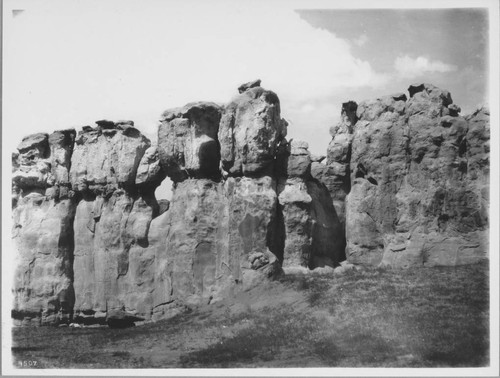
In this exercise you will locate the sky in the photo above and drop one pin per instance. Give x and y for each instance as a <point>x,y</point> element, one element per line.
<point>68,63</point>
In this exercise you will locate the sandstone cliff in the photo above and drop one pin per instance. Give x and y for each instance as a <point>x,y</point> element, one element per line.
<point>414,175</point>
<point>92,238</point>
<point>405,183</point>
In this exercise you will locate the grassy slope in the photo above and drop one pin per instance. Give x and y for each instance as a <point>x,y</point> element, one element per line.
<point>374,317</point>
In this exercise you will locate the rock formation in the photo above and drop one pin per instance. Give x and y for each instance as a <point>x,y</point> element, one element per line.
<point>314,234</point>
<point>405,183</point>
<point>414,175</point>
<point>187,141</point>
<point>243,205</point>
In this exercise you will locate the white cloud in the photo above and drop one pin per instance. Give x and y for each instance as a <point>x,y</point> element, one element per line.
<point>361,40</point>
<point>408,67</point>
<point>69,63</point>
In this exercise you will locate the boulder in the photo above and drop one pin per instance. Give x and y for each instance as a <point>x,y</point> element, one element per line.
<point>187,141</point>
<point>317,158</point>
<point>149,172</point>
<point>121,319</point>
<point>428,101</point>
<point>33,168</point>
<point>116,153</point>
<point>250,131</point>
<point>251,84</point>
<point>163,205</point>
<point>299,160</point>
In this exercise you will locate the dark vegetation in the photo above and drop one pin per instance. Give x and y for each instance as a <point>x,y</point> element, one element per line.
<point>420,317</point>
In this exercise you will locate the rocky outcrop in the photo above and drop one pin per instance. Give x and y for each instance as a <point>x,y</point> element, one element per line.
<point>113,267</point>
<point>296,204</point>
<point>222,228</point>
<point>418,179</point>
<point>335,173</point>
<point>313,232</point>
<point>43,162</point>
<point>115,151</point>
<point>44,209</point>
<point>43,283</point>
<point>187,141</point>
<point>243,204</point>
<point>405,182</point>
<point>78,214</point>
<point>116,206</point>
<point>149,172</point>
<point>250,131</point>
<point>377,167</point>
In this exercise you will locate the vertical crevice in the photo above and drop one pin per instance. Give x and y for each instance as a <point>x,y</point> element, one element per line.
<point>66,248</point>
<point>328,233</point>
<point>276,233</point>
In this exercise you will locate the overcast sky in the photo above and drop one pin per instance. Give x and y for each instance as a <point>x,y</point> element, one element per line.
<point>69,63</point>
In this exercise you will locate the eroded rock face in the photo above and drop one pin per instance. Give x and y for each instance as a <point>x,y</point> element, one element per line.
<point>114,269</point>
<point>76,207</point>
<point>296,204</point>
<point>250,132</point>
<point>405,182</point>
<point>314,234</point>
<point>43,162</point>
<point>149,172</point>
<point>33,163</point>
<point>414,199</point>
<point>44,209</point>
<point>335,173</point>
<point>218,240</point>
<point>378,166</point>
<point>187,263</point>
<point>43,235</point>
<point>187,141</point>
<point>61,148</point>
<point>252,227</point>
<point>106,158</point>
